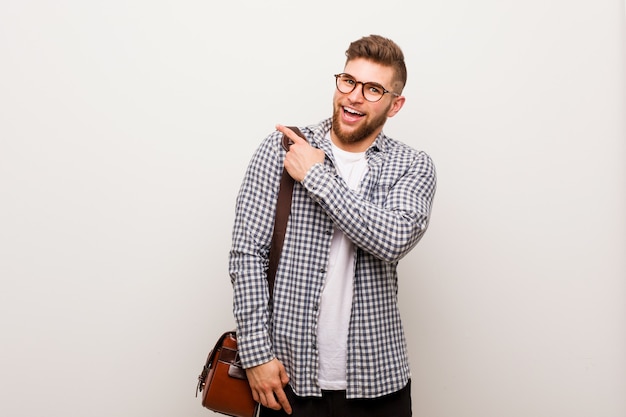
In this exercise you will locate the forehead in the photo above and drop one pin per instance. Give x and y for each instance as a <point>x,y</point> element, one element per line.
<point>368,71</point>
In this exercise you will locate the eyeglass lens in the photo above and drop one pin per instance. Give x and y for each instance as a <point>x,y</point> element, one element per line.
<point>371,91</point>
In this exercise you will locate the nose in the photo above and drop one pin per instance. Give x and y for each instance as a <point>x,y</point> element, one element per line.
<point>356,95</point>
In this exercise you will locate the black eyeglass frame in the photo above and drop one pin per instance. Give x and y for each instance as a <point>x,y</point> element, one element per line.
<point>384,90</point>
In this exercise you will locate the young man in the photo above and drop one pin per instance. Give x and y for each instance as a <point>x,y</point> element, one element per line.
<point>331,342</point>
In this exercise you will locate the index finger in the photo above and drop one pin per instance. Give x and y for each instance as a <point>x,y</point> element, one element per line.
<point>282,400</point>
<point>293,136</point>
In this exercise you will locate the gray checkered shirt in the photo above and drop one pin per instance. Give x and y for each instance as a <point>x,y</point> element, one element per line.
<point>385,220</point>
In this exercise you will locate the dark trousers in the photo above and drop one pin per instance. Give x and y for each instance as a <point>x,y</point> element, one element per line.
<point>335,404</point>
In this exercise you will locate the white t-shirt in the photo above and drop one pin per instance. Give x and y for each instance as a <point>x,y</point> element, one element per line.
<point>336,301</point>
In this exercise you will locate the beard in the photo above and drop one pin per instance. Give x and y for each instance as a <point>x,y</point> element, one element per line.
<point>362,132</point>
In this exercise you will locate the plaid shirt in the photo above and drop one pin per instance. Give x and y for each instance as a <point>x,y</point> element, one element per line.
<point>385,220</point>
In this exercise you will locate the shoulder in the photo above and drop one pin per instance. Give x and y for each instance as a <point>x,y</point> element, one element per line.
<point>403,153</point>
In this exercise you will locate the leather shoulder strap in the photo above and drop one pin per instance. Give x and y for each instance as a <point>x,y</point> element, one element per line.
<point>283,208</point>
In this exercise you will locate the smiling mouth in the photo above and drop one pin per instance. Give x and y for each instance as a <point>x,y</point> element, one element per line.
<point>352,114</point>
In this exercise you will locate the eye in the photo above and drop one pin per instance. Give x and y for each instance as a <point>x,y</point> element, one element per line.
<point>349,81</point>
<point>375,89</point>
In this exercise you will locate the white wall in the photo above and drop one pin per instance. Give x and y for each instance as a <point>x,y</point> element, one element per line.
<point>125,127</point>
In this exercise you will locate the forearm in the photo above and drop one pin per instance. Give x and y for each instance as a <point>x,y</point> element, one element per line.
<point>389,219</point>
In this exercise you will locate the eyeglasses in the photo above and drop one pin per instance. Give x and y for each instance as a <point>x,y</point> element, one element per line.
<point>373,92</point>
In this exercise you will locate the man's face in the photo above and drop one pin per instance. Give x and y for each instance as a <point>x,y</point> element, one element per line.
<point>356,121</point>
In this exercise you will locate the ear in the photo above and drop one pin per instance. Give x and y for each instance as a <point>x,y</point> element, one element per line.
<point>398,102</point>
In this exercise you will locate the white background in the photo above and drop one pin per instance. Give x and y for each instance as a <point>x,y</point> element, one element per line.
<point>125,128</point>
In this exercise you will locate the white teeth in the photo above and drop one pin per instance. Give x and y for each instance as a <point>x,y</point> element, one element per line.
<point>352,111</point>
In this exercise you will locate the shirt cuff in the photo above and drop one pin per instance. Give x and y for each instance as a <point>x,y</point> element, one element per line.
<point>254,349</point>
<point>316,181</point>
